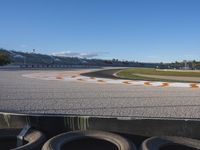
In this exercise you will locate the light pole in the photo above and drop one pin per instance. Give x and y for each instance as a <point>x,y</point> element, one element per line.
<point>24,60</point>
<point>185,62</point>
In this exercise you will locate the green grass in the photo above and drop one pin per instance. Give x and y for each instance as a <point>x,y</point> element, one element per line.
<point>131,74</point>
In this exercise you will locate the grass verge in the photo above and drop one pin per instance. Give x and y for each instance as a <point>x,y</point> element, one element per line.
<point>133,74</point>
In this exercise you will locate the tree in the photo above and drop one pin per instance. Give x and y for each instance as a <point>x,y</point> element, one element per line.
<point>4,58</point>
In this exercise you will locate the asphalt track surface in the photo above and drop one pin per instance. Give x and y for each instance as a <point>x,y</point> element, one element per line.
<point>33,96</point>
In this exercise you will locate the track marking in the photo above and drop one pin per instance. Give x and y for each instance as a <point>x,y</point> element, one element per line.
<point>194,85</point>
<point>101,81</point>
<point>75,76</point>
<point>80,79</point>
<point>147,83</point>
<point>165,84</point>
<point>59,77</point>
<point>126,82</point>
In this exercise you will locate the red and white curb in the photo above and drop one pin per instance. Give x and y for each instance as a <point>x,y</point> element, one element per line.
<point>78,78</point>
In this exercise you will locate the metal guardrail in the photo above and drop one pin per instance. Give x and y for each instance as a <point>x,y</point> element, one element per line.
<point>56,66</point>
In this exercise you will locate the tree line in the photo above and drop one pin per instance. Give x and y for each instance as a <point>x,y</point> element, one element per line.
<point>4,58</point>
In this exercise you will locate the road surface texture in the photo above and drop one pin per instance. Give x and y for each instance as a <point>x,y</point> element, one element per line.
<point>19,94</point>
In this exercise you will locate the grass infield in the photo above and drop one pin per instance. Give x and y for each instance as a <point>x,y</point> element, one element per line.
<point>152,74</point>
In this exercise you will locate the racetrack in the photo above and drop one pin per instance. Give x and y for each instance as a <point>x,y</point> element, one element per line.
<point>30,95</point>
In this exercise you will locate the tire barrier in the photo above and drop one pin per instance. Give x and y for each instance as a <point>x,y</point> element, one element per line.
<point>137,130</point>
<point>170,143</point>
<point>90,140</point>
<point>32,139</point>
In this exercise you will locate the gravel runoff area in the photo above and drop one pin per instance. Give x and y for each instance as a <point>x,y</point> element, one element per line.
<point>25,95</point>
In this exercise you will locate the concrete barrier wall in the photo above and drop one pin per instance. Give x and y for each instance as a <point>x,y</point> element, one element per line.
<point>142,127</point>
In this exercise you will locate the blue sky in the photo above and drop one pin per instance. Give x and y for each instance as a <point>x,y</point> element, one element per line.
<point>141,30</point>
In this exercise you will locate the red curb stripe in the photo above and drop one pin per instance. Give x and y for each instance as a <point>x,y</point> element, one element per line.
<point>165,84</point>
<point>147,83</point>
<point>101,81</point>
<point>194,86</point>
<point>80,79</point>
<point>126,82</point>
<point>59,77</point>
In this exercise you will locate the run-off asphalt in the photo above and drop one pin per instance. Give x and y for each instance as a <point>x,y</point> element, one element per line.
<point>25,95</point>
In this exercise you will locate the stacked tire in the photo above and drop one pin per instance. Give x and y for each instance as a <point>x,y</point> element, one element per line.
<point>90,140</point>
<point>170,143</point>
<point>33,139</point>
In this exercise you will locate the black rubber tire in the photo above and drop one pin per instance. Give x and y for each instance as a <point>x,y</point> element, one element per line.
<point>156,143</point>
<point>34,138</point>
<point>58,141</point>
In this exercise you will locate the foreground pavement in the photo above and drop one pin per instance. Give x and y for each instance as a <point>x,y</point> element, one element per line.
<point>19,94</point>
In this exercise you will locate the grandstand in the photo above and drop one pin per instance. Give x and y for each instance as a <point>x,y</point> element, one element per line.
<point>35,60</point>
<point>40,60</point>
